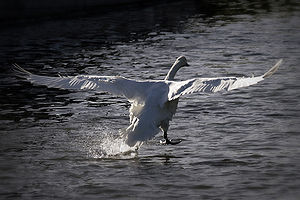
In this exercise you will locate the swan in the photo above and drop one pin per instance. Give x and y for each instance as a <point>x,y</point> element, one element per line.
<point>153,102</point>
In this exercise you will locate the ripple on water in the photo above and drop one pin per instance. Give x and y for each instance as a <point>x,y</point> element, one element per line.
<point>238,145</point>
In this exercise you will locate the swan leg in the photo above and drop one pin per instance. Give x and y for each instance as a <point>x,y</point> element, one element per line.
<point>165,126</point>
<point>170,141</point>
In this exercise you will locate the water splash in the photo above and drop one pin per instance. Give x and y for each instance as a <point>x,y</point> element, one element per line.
<point>111,146</point>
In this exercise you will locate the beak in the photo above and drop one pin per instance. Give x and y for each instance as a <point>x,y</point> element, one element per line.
<point>187,64</point>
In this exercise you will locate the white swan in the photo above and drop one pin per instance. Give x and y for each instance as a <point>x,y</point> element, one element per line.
<point>153,102</point>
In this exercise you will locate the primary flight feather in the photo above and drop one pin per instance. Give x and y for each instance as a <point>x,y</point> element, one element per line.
<point>153,102</point>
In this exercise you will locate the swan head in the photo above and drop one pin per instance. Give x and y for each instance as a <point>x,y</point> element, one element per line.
<point>181,60</point>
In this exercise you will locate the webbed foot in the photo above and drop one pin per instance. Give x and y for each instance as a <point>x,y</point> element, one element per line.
<point>172,141</point>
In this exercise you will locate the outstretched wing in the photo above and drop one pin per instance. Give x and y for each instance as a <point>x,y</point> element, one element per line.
<point>211,85</point>
<point>116,85</point>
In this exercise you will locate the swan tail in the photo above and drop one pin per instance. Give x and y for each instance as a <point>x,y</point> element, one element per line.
<point>272,70</point>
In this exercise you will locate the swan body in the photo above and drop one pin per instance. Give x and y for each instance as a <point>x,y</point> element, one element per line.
<point>153,102</point>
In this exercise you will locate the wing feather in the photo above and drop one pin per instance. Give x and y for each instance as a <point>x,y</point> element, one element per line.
<point>116,85</point>
<point>211,85</point>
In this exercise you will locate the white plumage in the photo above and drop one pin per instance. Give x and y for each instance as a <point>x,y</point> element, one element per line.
<point>153,102</point>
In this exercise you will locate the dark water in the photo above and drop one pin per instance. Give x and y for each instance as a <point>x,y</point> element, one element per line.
<point>243,144</point>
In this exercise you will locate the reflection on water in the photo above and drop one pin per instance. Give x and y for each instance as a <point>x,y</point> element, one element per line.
<point>238,145</point>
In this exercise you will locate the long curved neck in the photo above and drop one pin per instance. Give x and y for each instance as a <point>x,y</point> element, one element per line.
<point>172,72</point>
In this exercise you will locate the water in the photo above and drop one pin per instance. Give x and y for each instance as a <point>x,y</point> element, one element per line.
<point>242,144</point>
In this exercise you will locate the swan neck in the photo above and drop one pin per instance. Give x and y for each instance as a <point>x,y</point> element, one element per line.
<point>172,72</point>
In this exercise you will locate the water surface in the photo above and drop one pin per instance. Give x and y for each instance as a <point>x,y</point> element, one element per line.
<point>242,144</point>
